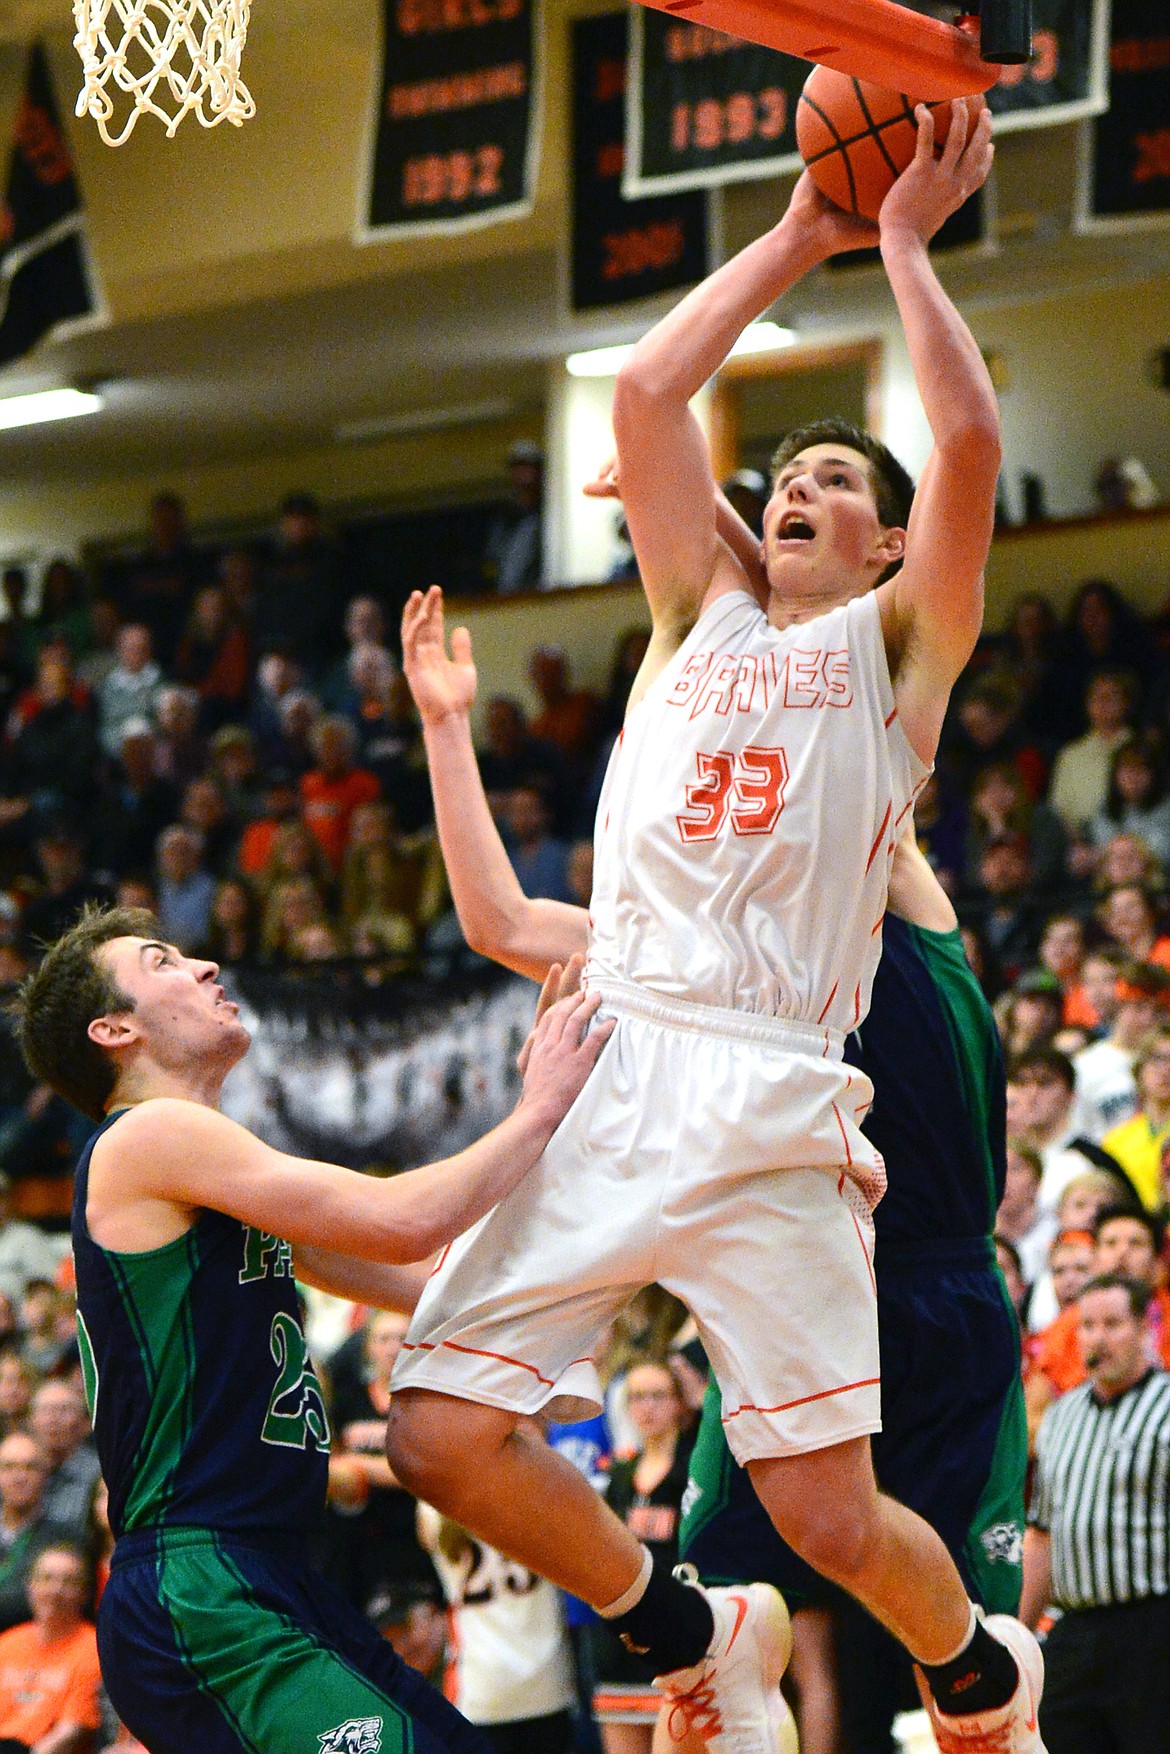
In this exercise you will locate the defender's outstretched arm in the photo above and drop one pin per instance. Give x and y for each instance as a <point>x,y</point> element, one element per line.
<point>498,919</point>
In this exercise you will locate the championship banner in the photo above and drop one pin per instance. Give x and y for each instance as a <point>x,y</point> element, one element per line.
<point>705,109</point>
<point>454,134</point>
<point>45,284</point>
<point>1125,175</point>
<point>622,249</point>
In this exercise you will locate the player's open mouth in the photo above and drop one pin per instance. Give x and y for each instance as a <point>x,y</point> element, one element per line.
<point>795,528</point>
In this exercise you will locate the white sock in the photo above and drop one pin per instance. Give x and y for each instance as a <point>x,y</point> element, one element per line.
<point>972,1622</point>
<point>631,1597</point>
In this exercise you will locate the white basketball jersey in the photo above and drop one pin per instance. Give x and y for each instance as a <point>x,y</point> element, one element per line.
<point>748,817</point>
<point>512,1658</point>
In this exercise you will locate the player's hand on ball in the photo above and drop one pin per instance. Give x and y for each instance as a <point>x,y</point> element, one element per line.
<point>828,226</point>
<point>442,684</point>
<point>561,1054</point>
<point>932,187</point>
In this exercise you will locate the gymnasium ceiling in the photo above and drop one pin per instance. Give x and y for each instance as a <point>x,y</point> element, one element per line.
<point>243,317</point>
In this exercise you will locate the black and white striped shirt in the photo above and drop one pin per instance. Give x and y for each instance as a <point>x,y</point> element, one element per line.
<point>1102,1492</point>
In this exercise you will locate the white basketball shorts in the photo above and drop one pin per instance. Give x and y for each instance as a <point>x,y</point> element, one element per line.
<point>718,1154</point>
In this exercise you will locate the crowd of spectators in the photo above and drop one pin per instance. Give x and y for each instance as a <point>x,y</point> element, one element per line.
<point>228,739</point>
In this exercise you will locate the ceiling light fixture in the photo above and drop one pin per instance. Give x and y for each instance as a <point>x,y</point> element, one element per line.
<point>422,420</point>
<point>606,362</point>
<point>45,405</point>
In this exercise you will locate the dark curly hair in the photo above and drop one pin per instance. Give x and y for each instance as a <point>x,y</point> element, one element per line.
<point>57,1003</point>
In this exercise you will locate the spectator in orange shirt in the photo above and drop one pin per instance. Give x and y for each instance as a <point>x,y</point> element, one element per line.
<point>49,1674</point>
<point>1126,1240</point>
<point>332,791</point>
<point>1062,953</point>
<point>569,718</point>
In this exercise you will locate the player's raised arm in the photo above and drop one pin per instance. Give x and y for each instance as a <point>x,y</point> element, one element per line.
<point>497,918</point>
<point>169,1156</point>
<point>933,608</point>
<point>667,485</point>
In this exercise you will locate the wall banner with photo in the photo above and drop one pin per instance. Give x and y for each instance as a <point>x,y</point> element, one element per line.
<point>378,1078</point>
<point>705,109</point>
<point>1125,156</point>
<point>453,141</point>
<point>622,249</point>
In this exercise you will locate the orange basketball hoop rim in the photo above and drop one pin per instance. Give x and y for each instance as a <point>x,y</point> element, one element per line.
<point>874,40</point>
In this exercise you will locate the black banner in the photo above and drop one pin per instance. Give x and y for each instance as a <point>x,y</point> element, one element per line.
<point>44,281</point>
<point>622,249</point>
<point>704,108</point>
<point>1128,169</point>
<point>454,136</point>
<point>969,228</point>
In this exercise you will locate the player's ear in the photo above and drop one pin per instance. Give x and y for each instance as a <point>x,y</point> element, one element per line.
<point>891,545</point>
<point>116,1030</point>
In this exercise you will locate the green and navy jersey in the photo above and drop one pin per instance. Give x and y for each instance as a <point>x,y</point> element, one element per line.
<point>932,1051</point>
<point>205,1405</point>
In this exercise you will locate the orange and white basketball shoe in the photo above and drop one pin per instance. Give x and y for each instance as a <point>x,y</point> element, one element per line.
<point>1009,1729</point>
<point>724,1700</point>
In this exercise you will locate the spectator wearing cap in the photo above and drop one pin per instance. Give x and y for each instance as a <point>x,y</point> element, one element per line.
<point>137,806</point>
<point>1137,1143</point>
<point>335,787</point>
<point>300,589</point>
<point>1042,1098</point>
<point>131,688</point>
<point>186,889</point>
<point>513,549</point>
<point>1081,772</point>
<point>1097,1545</point>
<point>60,1424</point>
<point>1107,1092</point>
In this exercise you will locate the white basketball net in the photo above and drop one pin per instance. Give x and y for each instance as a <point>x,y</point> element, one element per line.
<point>165,56</point>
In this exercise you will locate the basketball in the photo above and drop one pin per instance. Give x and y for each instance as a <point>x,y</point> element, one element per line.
<point>857,138</point>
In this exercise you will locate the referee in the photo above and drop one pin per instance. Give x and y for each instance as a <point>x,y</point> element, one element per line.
<point>1098,1541</point>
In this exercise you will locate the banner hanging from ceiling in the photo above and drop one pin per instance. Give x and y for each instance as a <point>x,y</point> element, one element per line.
<point>705,109</point>
<point>622,249</point>
<point>46,283</point>
<point>1125,158</point>
<point>454,130</point>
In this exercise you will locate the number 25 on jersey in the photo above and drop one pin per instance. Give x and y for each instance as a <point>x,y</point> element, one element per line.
<point>746,790</point>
